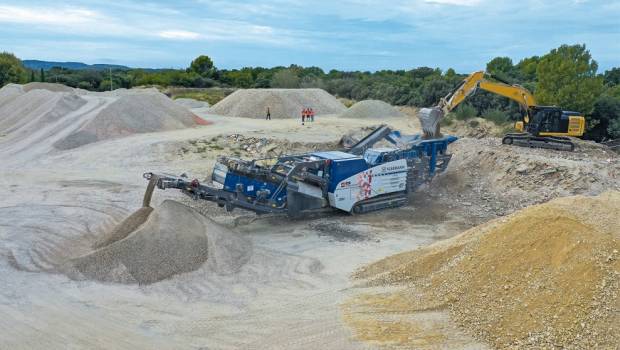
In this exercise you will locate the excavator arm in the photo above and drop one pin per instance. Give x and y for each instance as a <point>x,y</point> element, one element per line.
<point>430,117</point>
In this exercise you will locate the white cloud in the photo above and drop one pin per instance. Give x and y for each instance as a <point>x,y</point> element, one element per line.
<point>37,15</point>
<point>179,35</point>
<point>116,23</point>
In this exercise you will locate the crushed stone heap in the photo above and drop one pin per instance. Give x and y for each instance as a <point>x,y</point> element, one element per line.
<point>155,244</point>
<point>52,116</point>
<point>546,276</point>
<point>282,103</point>
<point>372,109</point>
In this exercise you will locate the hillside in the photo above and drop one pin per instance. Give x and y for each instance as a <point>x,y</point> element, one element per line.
<point>46,65</point>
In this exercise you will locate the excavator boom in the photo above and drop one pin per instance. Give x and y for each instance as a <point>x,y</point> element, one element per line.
<point>547,129</point>
<point>431,117</point>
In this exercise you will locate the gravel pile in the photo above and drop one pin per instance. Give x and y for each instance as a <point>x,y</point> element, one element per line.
<point>131,114</point>
<point>372,109</point>
<point>545,277</point>
<point>153,245</point>
<point>25,113</point>
<point>283,103</point>
<point>9,92</point>
<point>249,147</point>
<point>47,86</point>
<point>488,179</point>
<point>53,116</point>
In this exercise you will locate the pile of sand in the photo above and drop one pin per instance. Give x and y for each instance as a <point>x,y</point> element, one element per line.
<point>131,114</point>
<point>56,116</point>
<point>372,109</point>
<point>191,103</point>
<point>9,92</point>
<point>25,113</point>
<point>283,103</point>
<point>547,276</point>
<point>153,245</point>
<point>47,86</point>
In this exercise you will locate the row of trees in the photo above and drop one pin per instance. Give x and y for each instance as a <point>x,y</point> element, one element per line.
<point>566,76</point>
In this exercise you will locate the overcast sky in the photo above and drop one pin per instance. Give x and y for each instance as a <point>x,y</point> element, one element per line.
<point>345,34</point>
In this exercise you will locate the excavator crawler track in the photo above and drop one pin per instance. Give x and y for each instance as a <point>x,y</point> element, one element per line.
<point>527,140</point>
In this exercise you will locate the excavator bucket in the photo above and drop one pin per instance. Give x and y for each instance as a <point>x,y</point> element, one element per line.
<point>430,119</point>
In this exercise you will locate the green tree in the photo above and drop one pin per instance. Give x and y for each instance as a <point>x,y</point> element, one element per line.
<point>203,65</point>
<point>502,68</point>
<point>527,68</point>
<point>32,78</point>
<point>263,80</point>
<point>11,69</point>
<point>42,75</point>
<point>242,78</point>
<point>612,77</point>
<point>286,79</point>
<point>614,128</point>
<point>567,78</point>
<point>605,119</point>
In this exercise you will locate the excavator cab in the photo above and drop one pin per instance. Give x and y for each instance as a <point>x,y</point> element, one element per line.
<point>547,127</point>
<point>553,121</point>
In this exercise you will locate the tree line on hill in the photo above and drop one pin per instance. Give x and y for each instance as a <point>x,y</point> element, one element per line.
<point>567,76</point>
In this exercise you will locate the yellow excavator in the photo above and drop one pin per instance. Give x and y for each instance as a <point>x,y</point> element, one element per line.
<point>541,126</point>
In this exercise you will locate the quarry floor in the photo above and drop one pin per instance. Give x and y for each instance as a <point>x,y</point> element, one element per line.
<point>54,203</point>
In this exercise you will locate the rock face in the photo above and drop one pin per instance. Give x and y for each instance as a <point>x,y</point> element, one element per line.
<point>282,103</point>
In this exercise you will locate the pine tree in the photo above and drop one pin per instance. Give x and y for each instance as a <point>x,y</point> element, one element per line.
<point>32,78</point>
<point>42,75</point>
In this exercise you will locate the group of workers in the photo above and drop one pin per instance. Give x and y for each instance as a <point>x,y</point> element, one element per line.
<point>307,115</point>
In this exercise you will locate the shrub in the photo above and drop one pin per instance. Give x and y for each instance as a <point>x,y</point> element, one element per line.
<point>614,128</point>
<point>496,116</point>
<point>448,120</point>
<point>85,85</point>
<point>474,123</point>
<point>465,112</point>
